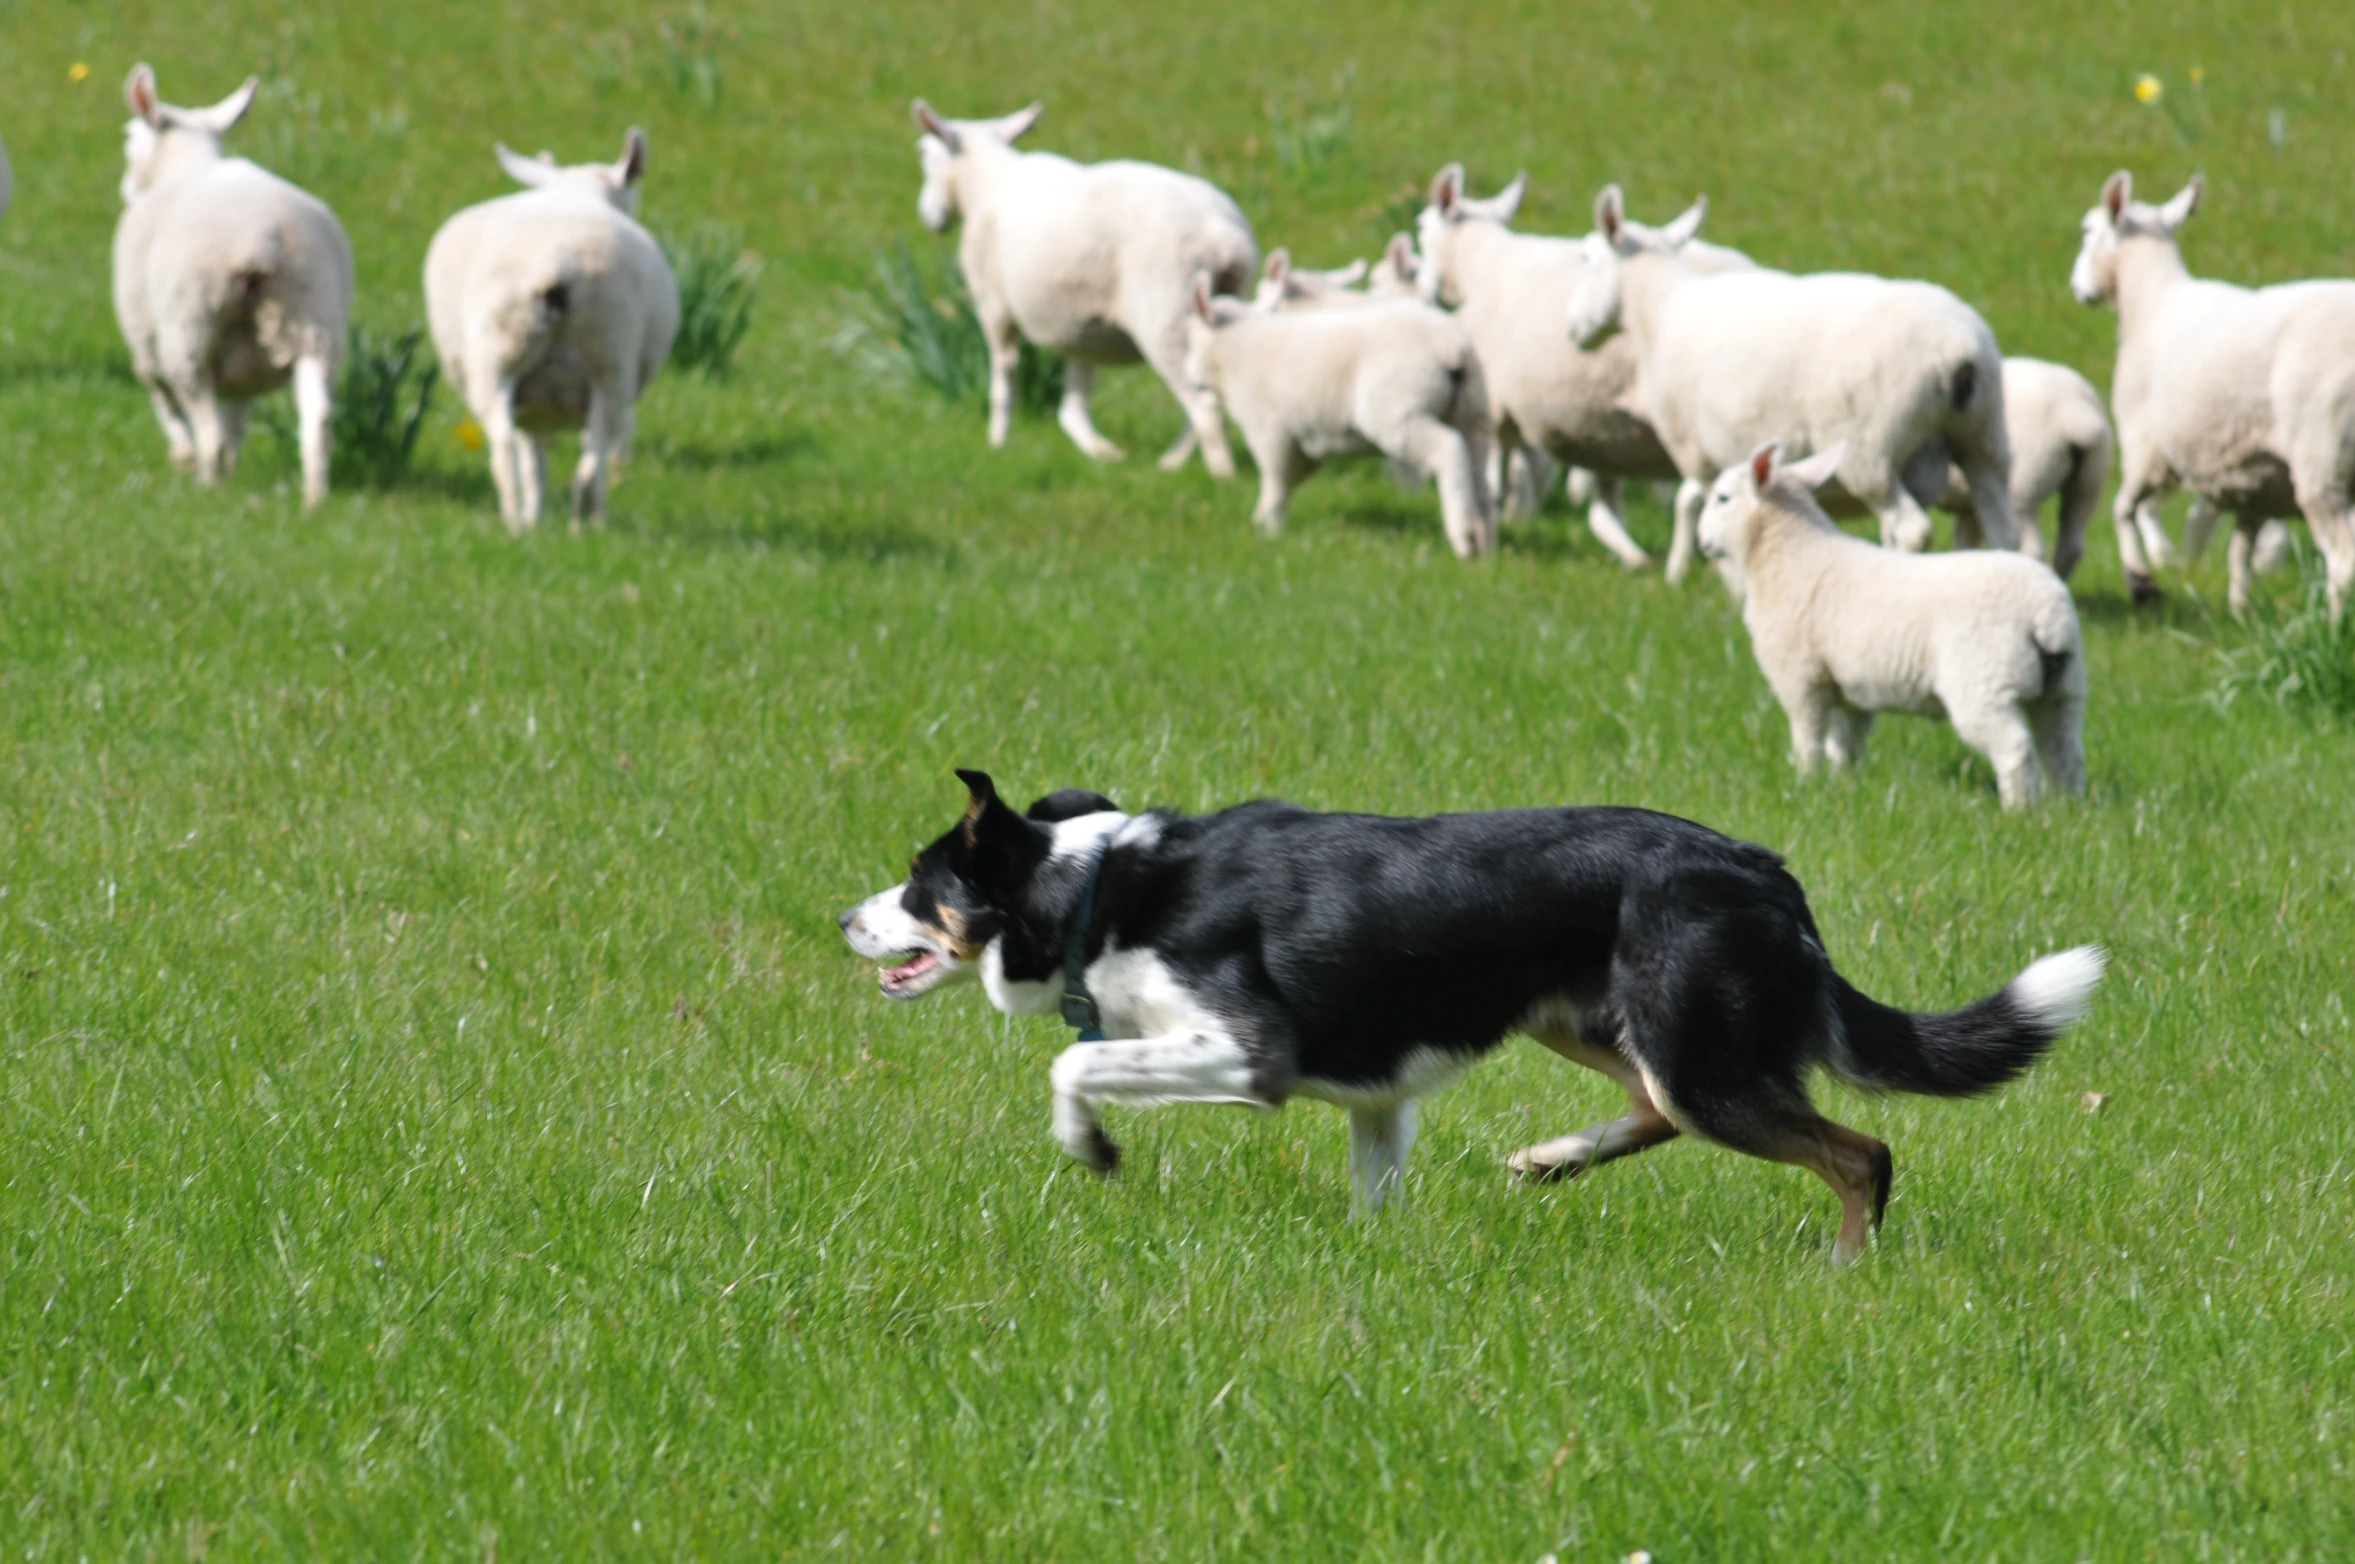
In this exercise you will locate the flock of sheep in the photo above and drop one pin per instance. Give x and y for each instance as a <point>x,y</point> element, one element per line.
<point>1483,358</point>
<point>551,308</point>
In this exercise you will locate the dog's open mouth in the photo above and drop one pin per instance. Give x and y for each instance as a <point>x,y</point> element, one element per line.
<point>912,976</point>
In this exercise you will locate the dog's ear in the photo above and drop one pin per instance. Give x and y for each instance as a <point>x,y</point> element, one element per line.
<point>1069,804</point>
<point>985,794</point>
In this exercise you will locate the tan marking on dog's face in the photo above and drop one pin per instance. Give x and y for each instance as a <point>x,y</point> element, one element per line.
<point>955,934</point>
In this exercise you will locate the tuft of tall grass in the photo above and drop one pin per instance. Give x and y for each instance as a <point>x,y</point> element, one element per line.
<point>1307,134</point>
<point>906,325</point>
<point>380,407</point>
<point>719,282</point>
<point>2292,654</point>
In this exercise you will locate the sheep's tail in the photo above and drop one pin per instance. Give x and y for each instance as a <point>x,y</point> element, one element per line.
<point>1959,395</point>
<point>1968,1051</point>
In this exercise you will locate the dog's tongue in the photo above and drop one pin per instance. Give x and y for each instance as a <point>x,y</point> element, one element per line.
<point>916,967</point>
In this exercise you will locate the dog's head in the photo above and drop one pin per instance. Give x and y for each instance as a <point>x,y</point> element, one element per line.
<point>932,928</point>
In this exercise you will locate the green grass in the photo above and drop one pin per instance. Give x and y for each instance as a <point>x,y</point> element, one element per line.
<point>443,1121</point>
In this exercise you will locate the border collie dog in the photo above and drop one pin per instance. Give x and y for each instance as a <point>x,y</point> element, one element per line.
<point>1268,951</point>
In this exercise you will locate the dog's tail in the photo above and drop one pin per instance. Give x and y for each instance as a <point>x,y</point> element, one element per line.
<point>1968,1051</point>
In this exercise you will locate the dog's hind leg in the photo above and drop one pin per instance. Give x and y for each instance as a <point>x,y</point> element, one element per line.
<point>1379,1139</point>
<point>1641,1127</point>
<point>1856,1166</point>
<point>1180,1067</point>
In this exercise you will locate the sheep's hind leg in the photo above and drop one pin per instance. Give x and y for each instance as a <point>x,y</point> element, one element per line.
<point>603,439</point>
<point>1079,383</point>
<point>1905,525</point>
<point>204,423</point>
<point>233,419</point>
<point>1603,520</point>
<point>531,470</point>
<point>1845,733</point>
<point>2000,732</point>
<point>1685,545</point>
<point>497,417</point>
<point>177,435</point>
<point>2237,551</point>
<point>1282,466</point>
<point>314,414</point>
<point>1206,419</point>
<point>1443,452</point>
<point>2058,722</point>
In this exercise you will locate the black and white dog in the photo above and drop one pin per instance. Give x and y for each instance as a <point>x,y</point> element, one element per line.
<point>1267,951</point>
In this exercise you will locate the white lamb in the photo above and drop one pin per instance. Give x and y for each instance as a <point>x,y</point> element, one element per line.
<point>1903,375</point>
<point>2059,435</point>
<point>1394,376</point>
<point>228,282</point>
<point>1573,405</point>
<point>1843,630</point>
<point>2244,396</point>
<point>552,309</point>
<point>1091,261</point>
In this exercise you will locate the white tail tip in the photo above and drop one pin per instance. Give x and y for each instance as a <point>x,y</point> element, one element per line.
<point>2057,991</point>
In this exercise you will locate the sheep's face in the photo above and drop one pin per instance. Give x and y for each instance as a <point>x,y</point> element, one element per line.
<point>936,205</point>
<point>1594,303</point>
<point>2094,279</point>
<point>1727,515</point>
<point>140,147</point>
<point>2116,218</point>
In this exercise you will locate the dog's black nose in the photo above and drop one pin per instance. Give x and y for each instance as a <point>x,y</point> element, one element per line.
<point>843,922</point>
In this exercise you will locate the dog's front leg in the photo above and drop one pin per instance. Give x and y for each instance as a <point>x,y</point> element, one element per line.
<point>1192,1066</point>
<point>1379,1139</point>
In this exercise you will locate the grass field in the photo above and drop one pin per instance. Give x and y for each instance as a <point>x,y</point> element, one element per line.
<point>442,1120</point>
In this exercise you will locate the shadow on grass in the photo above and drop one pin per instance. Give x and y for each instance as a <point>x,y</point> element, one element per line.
<point>832,535</point>
<point>776,450</point>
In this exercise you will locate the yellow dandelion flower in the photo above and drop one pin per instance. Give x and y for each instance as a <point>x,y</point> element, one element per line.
<point>2148,88</point>
<point>2198,76</point>
<point>470,435</point>
<point>78,72</point>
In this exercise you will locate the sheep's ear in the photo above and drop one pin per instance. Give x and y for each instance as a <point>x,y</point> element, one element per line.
<point>934,126</point>
<point>1016,125</point>
<point>1762,464</point>
<point>1688,223</point>
<point>1610,213</point>
<point>1505,205</point>
<point>2117,190</point>
<point>632,166</point>
<point>1278,265</point>
<point>1403,259</point>
<point>521,169</point>
<point>1448,189</point>
<point>1816,470</point>
<point>1201,294</point>
<point>139,91</point>
<point>2187,201</point>
<point>226,113</point>
<point>1349,276</point>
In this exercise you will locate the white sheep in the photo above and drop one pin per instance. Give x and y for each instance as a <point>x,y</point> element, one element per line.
<point>2059,435</point>
<point>552,309</point>
<point>1903,375</point>
<point>1305,385</point>
<point>2244,396</point>
<point>1283,285</point>
<point>1843,630</point>
<point>228,282</point>
<point>1572,405</point>
<point>1090,261</point>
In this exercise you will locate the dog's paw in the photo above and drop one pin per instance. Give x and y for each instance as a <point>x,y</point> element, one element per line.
<point>1100,1151</point>
<point>1549,1163</point>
